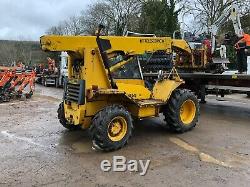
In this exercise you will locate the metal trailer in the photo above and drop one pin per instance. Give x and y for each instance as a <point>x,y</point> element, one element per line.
<point>56,79</point>
<point>208,83</point>
<point>49,80</point>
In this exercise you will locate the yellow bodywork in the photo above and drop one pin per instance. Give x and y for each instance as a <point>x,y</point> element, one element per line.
<point>181,45</point>
<point>86,64</point>
<point>134,91</point>
<point>164,88</point>
<point>131,45</point>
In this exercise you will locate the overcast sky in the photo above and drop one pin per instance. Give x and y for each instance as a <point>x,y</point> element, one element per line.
<point>29,19</point>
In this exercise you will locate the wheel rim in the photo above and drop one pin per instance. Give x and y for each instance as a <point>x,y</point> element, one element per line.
<point>187,112</point>
<point>117,128</point>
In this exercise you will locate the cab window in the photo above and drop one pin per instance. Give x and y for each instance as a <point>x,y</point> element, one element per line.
<point>131,70</point>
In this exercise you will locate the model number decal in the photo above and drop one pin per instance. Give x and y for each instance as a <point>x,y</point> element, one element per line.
<point>152,41</point>
<point>132,95</point>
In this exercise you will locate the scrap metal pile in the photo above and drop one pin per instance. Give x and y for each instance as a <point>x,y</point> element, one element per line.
<point>16,83</point>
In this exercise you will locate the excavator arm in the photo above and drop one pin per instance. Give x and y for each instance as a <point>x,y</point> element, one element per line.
<point>231,12</point>
<point>128,46</point>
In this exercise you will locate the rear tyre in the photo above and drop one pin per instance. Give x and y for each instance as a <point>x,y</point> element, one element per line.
<point>63,121</point>
<point>182,111</point>
<point>111,128</point>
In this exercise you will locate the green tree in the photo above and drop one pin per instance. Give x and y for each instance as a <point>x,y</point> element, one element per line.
<point>159,17</point>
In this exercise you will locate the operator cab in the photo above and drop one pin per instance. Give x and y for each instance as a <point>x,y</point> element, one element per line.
<point>131,70</point>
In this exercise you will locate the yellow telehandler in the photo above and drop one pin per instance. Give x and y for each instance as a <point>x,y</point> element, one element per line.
<point>105,89</point>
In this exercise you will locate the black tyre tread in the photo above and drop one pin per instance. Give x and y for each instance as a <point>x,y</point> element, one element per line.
<point>248,94</point>
<point>98,128</point>
<point>171,111</point>
<point>63,121</point>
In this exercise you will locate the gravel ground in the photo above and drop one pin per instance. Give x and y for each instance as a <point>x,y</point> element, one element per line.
<point>37,151</point>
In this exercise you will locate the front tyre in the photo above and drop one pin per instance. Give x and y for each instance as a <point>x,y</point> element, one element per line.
<point>111,128</point>
<point>182,111</point>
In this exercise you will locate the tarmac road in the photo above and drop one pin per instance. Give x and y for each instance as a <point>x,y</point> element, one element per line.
<point>36,151</point>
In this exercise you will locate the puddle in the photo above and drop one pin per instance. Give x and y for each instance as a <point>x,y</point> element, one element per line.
<point>82,147</point>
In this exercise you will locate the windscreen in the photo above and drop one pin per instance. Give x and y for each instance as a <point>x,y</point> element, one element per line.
<point>131,70</point>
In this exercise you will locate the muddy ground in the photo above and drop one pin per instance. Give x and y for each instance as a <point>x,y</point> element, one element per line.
<point>35,150</point>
